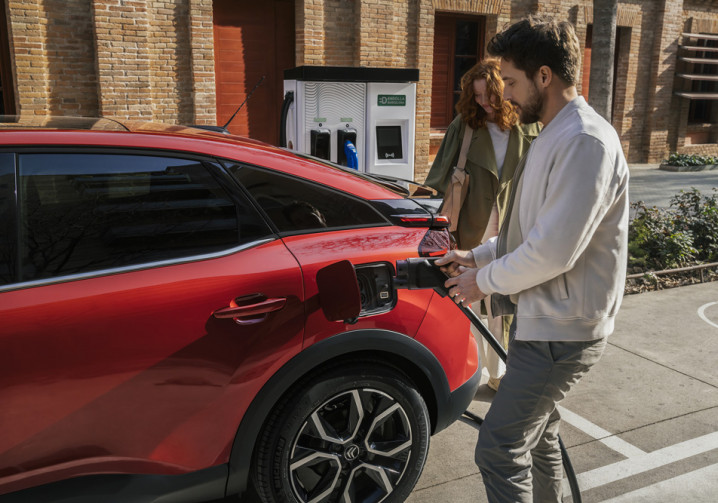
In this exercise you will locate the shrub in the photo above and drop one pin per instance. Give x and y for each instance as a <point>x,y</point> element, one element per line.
<point>690,160</point>
<point>699,215</point>
<point>685,233</point>
<point>655,242</point>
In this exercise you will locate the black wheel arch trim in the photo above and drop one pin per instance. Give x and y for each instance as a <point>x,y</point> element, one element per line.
<point>202,485</point>
<point>395,345</point>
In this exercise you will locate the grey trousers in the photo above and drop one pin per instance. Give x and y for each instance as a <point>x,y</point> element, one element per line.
<point>518,452</point>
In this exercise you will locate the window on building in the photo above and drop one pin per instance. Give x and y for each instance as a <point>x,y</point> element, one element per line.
<point>458,45</point>
<point>703,111</point>
<point>8,231</point>
<point>86,212</point>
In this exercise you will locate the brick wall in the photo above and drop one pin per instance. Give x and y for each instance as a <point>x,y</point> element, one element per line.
<point>667,26</point>
<point>341,33</point>
<point>168,46</point>
<point>424,57</point>
<point>123,58</point>
<point>122,30</point>
<point>53,56</point>
<point>202,62</point>
<point>154,59</point>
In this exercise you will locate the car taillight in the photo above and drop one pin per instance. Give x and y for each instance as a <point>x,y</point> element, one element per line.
<point>427,220</point>
<point>436,242</point>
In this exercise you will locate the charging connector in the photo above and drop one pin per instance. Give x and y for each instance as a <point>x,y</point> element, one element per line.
<point>419,274</point>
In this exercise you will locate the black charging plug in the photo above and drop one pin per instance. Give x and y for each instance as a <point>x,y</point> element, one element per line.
<point>420,273</point>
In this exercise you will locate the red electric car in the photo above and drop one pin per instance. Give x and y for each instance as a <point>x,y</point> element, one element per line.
<point>163,336</point>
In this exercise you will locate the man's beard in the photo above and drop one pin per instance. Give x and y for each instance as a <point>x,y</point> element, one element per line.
<point>531,110</point>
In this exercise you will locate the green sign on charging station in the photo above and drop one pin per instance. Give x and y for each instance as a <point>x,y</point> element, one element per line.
<point>391,100</point>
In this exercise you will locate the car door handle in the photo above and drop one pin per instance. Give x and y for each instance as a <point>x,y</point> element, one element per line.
<point>263,307</point>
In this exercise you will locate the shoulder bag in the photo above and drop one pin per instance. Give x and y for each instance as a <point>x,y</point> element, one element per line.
<point>458,185</point>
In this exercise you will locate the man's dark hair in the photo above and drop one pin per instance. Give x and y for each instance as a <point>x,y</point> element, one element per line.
<point>537,41</point>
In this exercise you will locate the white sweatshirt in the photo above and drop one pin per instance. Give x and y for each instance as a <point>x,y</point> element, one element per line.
<point>569,271</point>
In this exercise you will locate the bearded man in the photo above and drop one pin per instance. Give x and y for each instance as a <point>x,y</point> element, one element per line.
<point>558,263</point>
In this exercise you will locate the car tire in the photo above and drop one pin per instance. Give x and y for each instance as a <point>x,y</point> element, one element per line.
<point>358,432</point>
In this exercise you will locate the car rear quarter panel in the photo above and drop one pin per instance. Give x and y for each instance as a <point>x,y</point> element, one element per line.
<point>360,246</point>
<point>446,332</point>
<point>434,321</point>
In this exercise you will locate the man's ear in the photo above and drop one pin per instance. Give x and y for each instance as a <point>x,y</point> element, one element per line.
<point>544,76</point>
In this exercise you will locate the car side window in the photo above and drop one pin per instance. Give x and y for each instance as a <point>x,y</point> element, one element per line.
<point>87,212</point>
<point>297,205</point>
<point>8,231</point>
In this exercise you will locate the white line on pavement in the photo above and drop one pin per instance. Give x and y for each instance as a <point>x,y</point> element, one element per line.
<point>692,486</point>
<point>639,464</point>
<point>605,437</point>
<point>702,313</point>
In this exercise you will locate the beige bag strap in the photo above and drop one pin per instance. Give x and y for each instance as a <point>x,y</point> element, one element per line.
<point>465,143</point>
<point>459,184</point>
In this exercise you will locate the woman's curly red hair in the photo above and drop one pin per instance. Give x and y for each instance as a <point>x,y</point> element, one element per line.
<point>471,113</point>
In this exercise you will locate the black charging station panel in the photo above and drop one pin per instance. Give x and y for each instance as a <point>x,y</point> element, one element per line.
<point>388,142</point>
<point>321,143</point>
<point>342,136</point>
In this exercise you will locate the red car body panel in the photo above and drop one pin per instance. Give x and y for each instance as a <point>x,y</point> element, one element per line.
<point>360,246</point>
<point>457,353</point>
<point>132,369</point>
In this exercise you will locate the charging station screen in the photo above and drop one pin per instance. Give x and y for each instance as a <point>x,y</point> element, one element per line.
<point>388,142</point>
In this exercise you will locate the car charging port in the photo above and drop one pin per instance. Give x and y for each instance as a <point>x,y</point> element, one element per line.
<point>376,288</point>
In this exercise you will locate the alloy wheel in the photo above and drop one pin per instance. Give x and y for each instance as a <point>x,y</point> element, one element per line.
<point>354,447</point>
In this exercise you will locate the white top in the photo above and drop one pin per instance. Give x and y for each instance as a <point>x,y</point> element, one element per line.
<point>500,140</point>
<point>572,214</point>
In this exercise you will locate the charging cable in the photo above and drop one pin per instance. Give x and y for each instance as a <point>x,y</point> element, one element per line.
<point>422,273</point>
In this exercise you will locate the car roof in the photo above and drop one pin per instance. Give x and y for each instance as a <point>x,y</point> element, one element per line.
<point>41,131</point>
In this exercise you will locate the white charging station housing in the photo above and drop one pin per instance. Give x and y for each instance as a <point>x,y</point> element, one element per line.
<point>375,107</point>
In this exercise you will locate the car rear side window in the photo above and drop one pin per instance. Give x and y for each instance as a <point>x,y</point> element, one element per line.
<point>297,205</point>
<point>8,231</point>
<point>86,212</point>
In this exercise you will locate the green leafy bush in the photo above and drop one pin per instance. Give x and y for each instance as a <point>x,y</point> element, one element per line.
<point>690,160</point>
<point>685,233</point>
<point>698,215</point>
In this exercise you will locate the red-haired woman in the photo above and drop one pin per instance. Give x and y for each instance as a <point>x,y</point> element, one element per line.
<point>497,143</point>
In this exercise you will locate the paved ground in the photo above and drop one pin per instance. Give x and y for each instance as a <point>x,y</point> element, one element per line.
<point>641,426</point>
<point>655,187</point>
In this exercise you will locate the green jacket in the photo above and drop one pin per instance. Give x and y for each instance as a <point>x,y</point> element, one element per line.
<point>485,187</point>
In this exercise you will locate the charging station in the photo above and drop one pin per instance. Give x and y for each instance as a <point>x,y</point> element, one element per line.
<point>363,118</point>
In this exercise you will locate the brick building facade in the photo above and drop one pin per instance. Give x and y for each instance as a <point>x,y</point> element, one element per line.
<point>161,59</point>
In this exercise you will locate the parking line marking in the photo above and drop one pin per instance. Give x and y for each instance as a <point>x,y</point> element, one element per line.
<point>690,486</point>
<point>605,437</point>
<point>640,464</point>
<point>702,313</point>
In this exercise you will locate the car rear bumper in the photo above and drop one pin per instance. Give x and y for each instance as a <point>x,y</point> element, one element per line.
<point>457,402</point>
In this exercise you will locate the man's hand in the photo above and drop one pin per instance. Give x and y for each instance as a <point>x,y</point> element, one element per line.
<point>455,259</point>
<point>463,288</point>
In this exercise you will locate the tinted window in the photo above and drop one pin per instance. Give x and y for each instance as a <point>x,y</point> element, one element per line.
<point>84,212</point>
<point>8,231</point>
<point>297,205</point>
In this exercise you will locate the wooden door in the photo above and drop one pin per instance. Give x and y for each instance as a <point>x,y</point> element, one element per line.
<point>252,39</point>
<point>458,45</point>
